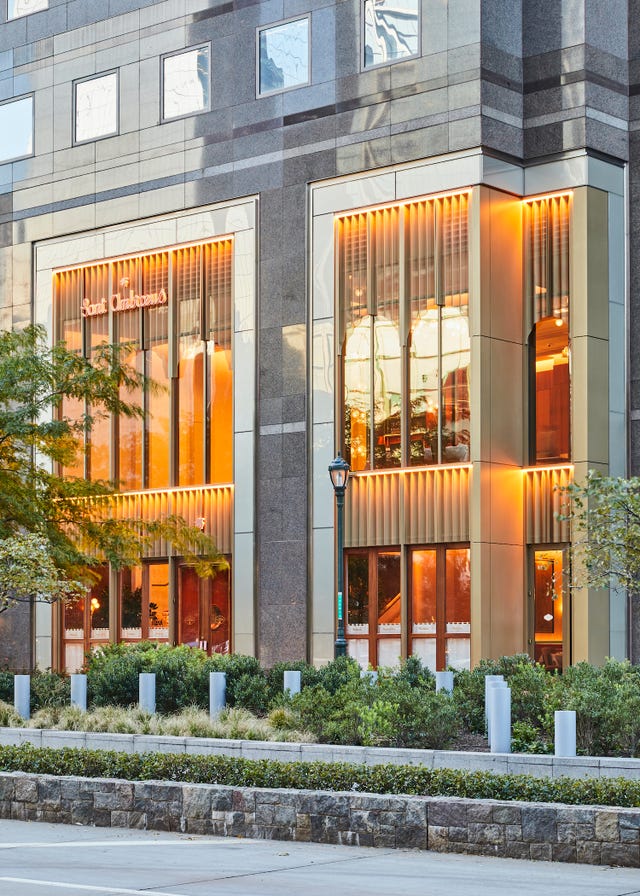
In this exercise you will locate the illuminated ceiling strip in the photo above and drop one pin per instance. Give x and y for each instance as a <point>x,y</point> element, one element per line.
<point>402,203</point>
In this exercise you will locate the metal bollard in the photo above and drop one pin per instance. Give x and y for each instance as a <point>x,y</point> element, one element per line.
<point>147,692</point>
<point>22,695</point>
<point>292,682</point>
<point>79,691</point>
<point>217,693</point>
<point>492,686</point>
<point>500,719</point>
<point>565,732</point>
<point>444,682</point>
<point>488,681</point>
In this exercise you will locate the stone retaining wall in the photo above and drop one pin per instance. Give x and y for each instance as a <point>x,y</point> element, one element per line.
<point>499,763</point>
<point>544,831</point>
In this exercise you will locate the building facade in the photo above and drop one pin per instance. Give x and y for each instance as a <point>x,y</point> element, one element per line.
<point>402,231</point>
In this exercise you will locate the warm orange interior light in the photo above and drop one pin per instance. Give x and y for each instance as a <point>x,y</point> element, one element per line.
<point>549,467</point>
<point>563,194</point>
<point>405,471</point>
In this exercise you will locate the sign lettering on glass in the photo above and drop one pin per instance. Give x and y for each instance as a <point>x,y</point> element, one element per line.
<point>123,301</point>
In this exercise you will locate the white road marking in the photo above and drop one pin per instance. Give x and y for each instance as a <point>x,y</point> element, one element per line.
<point>90,843</point>
<point>86,887</point>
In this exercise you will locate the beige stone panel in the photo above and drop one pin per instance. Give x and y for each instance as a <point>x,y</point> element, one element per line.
<point>505,267</point>
<point>480,399</point>
<point>480,503</point>
<point>508,600</point>
<point>589,264</point>
<point>590,401</point>
<point>590,625</point>
<point>506,505</point>
<point>322,648</point>
<point>480,601</point>
<point>507,417</point>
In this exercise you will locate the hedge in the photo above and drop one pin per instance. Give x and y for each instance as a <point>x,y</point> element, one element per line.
<point>384,779</point>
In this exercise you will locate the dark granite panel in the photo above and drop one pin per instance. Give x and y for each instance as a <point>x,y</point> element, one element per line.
<point>502,25</point>
<point>502,137</point>
<point>347,38</point>
<point>270,457</point>
<point>543,140</point>
<point>271,411</point>
<point>43,24</point>
<point>363,156</point>
<point>294,408</point>
<point>604,138</point>
<point>270,357</point>
<point>309,167</point>
<point>16,634</point>
<point>420,144</point>
<point>310,133</point>
<point>248,180</point>
<point>510,102</point>
<point>271,287</point>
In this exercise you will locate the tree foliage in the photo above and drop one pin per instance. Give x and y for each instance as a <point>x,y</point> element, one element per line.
<point>68,516</point>
<point>604,513</point>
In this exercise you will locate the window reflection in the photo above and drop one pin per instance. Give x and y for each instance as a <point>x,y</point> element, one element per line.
<point>96,107</point>
<point>390,30</point>
<point>433,265</point>
<point>16,126</point>
<point>186,83</point>
<point>284,56</point>
<point>19,8</point>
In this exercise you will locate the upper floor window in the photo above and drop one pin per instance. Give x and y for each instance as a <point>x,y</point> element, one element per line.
<point>96,107</point>
<point>18,8</point>
<point>547,223</point>
<point>185,83</point>
<point>16,127</point>
<point>391,30</point>
<point>403,334</point>
<point>283,56</point>
<point>172,311</point>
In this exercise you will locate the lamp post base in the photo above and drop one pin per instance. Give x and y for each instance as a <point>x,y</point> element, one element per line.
<point>340,647</point>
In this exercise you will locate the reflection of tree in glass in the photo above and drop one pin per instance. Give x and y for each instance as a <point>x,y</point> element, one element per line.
<point>131,607</point>
<point>358,591</point>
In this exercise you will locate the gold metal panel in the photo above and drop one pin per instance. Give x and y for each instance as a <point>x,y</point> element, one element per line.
<point>425,506</point>
<point>543,500</point>
<point>213,504</point>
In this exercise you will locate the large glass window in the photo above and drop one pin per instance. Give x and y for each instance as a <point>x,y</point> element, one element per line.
<point>440,611</point>
<point>391,30</point>
<point>96,107</point>
<point>547,223</point>
<point>172,312</point>
<point>438,606</point>
<point>185,83</point>
<point>283,56</point>
<point>548,608</point>
<point>404,334</point>
<point>16,127</point>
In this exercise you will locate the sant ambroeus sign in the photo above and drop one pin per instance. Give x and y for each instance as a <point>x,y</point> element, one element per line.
<point>125,300</point>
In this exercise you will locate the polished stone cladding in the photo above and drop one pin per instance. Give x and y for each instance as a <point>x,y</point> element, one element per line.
<point>542,831</point>
<point>521,79</point>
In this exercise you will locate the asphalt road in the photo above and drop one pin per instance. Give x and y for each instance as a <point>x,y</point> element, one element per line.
<point>61,860</point>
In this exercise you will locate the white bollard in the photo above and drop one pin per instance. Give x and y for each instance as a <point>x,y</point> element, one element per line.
<point>147,692</point>
<point>489,681</point>
<point>22,695</point>
<point>371,674</point>
<point>565,732</point>
<point>217,693</point>
<point>79,691</point>
<point>292,682</point>
<point>500,719</point>
<point>444,682</point>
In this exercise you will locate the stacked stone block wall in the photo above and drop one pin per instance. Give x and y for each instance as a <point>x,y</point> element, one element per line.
<point>548,832</point>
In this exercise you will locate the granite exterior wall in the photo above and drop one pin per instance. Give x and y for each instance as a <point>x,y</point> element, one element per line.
<point>589,834</point>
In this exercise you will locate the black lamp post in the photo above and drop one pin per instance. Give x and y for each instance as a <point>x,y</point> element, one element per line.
<point>339,473</point>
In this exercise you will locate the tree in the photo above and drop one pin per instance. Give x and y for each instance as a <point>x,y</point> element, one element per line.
<point>55,528</point>
<point>604,512</point>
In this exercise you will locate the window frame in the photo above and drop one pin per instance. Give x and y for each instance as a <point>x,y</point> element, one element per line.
<point>116,133</point>
<point>262,28</point>
<point>363,41</point>
<point>18,99</point>
<point>205,45</point>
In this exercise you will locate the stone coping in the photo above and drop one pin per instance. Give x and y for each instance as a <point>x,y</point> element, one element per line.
<point>501,763</point>
<point>545,831</point>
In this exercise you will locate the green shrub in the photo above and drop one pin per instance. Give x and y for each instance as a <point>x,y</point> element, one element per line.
<point>49,689</point>
<point>386,779</point>
<point>236,666</point>
<point>6,686</point>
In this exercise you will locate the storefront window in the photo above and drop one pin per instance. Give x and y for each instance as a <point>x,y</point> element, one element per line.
<point>391,419</point>
<point>173,312</point>
<point>548,608</point>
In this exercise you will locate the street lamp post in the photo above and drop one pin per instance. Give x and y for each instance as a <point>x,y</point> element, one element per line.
<point>339,474</point>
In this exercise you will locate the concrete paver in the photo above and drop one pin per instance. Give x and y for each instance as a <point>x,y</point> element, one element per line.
<point>38,859</point>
